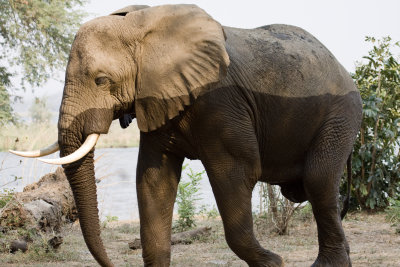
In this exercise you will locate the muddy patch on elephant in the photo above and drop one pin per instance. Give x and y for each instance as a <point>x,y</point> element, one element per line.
<point>373,242</point>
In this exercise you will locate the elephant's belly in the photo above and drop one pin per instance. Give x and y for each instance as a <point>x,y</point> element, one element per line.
<point>289,177</point>
<point>286,132</point>
<point>282,173</point>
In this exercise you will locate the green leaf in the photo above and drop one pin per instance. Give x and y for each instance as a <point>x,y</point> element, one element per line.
<point>35,37</point>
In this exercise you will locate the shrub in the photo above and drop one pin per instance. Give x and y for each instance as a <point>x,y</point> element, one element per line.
<point>275,209</point>
<point>109,219</point>
<point>376,164</point>
<point>393,211</point>
<point>186,197</point>
<point>208,213</point>
<point>6,195</point>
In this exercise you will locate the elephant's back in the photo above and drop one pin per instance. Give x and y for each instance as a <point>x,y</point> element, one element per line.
<point>284,60</point>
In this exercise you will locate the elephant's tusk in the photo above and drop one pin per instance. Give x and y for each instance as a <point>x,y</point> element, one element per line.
<point>37,153</point>
<point>89,143</point>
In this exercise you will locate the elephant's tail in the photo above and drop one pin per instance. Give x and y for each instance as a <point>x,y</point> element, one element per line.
<point>346,202</point>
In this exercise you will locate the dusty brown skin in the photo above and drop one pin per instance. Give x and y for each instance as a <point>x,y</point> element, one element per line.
<point>269,104</point>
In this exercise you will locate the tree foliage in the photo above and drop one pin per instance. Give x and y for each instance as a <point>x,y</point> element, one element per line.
<point>376,165</point>
<point>39,111</point>
<point>35,37</point>
<point>5,103</point>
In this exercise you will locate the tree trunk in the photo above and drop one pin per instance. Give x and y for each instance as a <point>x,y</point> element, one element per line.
<point>272,201</point>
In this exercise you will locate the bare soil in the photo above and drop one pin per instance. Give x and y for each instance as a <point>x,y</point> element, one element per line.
<point>373,242</point>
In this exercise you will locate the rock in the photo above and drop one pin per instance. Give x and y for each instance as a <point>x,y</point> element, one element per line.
<point>188,236</point>
<point>217,262</point>
<point>46,214</point>
<point>56,242</point>
<point>44,205</point>
<point>178,238</point>
<point>397,231</point>
<point>18,245</point>
<point>135,244</point>
<point>3,230</point>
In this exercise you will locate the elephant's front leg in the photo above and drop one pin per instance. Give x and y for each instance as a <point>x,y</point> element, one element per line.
<point>157,179</point>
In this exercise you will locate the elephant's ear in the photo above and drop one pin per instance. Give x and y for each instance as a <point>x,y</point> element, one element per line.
<point>127,9</point>
<point>181,55</point>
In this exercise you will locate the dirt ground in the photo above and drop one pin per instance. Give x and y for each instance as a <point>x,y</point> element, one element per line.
<point>373,242</point>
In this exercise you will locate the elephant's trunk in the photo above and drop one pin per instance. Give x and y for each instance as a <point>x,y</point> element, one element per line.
<point>81,178</point>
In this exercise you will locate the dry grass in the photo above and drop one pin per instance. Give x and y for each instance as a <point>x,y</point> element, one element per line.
<point>373,242</point>
<point>118,137</point>
<point>27,137</point>
<point>34,136</point>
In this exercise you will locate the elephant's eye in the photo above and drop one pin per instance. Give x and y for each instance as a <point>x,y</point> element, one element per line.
<point>101,80</point>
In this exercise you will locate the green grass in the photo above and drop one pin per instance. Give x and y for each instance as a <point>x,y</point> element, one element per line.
<point>38,249</point>
<point>6,195</point>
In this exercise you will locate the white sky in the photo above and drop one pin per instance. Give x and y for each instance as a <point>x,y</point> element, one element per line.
<point>341,25</point>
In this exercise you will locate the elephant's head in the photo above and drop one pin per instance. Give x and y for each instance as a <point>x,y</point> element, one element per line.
<point>149,61</point>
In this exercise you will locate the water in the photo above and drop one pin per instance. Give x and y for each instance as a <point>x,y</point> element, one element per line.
<point>115,167</point>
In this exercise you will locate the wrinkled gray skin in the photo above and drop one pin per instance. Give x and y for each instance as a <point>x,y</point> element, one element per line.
<point>269,104</point>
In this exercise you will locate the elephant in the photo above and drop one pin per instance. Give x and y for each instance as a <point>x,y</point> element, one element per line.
<point>269,104</point>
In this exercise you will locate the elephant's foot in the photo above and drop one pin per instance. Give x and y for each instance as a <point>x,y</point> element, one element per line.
<point>157,262</point>
<point>333,260</point>
<point>269,259</point>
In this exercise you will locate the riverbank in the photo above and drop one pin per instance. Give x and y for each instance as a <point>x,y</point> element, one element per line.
<point>373,242</point>
<point>35,136</point>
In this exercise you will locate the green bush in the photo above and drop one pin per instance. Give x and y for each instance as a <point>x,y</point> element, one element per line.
<point>6,194</point>
<point>305,213</point>
<point>186,197</point>
<point>376,161</point>
<point>109,219</point>
<point>393,211</point>
<point>208,213</point>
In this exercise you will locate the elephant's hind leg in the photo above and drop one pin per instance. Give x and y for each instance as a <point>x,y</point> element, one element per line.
<point>232,182</point>
<point>324,167</point>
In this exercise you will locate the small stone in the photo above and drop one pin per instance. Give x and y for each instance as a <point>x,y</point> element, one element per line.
<point>136,244</point>
<point>3,229</point>
<point>56,242</point>
<point>18,245</point>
